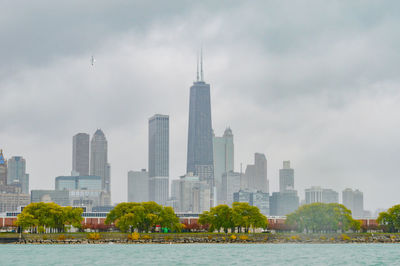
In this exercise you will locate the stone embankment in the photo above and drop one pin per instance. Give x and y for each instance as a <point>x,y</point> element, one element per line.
<point>220,239</point>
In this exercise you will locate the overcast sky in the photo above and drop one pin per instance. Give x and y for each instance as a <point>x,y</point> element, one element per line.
<point>313,82</point>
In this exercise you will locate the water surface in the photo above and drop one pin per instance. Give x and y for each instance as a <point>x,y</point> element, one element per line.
<point>201,254</point>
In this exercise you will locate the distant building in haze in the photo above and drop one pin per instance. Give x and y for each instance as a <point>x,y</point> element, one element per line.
<point>230,184</point>
<point>159,158</point>
<point>256,174</point>
<point>223,153</point>
<point>78,183</point>
<point>283,203</point>
<point>60,197</point>
<point>138,186</point>
<point>194,194</point>
<point>354,201</point>
<point>11,201</point>
<point>15,187</point>
<point>3,169</point>
<point>286,177</point>
<point>318,194</point>
<point>99,165</point>
<point>175,189</point>
<point>16,173</point>
<point>200,160</point>
<point>80,154</point>
<point>330,196</point>
<point>254,198</point>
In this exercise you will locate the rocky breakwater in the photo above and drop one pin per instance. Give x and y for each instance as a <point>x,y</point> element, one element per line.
<point>224,239</point>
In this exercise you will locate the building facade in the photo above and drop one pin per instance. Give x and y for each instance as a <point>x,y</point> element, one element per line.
<point>230,184</point>
<point>255,198</point>
<point>3,169</point>
<point>223,154</point>
<point>330,196</point>
<point>318,194</point>
<point>12,201</point>
<point>286,177</point>
<point>283,203</point>
<point>80,154</point>
<point>78,182</point>
<point>354,201</point>
<point>99,165</point>
<point>159,158</point>
<point>256,174</point>
<point>60,197</point>
<point>194,194</point>
<point>138,186</point>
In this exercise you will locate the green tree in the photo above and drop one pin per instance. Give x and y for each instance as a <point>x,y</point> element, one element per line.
<point>73,216</point>
<point>169,219</point>
<point>322,217</point>
<point>143,216</point>
<point>206,218</point>
<point>390,220</point>
<point>241,215</point>
<point>41,216</point>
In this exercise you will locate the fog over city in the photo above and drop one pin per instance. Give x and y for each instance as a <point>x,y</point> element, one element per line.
<point>313,82</point>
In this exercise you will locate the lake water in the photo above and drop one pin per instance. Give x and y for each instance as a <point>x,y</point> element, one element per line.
<point>202,254</point>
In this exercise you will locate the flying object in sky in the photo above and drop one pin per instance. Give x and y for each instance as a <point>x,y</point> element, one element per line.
<point>92,60</point>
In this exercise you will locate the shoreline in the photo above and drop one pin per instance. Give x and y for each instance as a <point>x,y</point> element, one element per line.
<point>182,238</point>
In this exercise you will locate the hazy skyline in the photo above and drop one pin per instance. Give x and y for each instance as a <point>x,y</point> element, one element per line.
<point>312,82</point>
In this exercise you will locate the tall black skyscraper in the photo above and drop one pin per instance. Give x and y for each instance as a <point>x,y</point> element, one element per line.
<point>200,146</point>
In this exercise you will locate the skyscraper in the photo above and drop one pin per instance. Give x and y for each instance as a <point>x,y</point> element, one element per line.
<point>3,170</point>
<point>354,201</point>
<point>256,174</point>
<point>200,145</point>
<point>230,184</point>
<point>98,159</point>
<point>80,154</point>
<point>159,158</point>
<point>16,173</point>
<point>286,177</point>
<point>138,186</point>
<point>223,159</point>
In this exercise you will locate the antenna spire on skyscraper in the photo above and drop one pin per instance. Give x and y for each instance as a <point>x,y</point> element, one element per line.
<point>201,65</point>
<point>197,78</point>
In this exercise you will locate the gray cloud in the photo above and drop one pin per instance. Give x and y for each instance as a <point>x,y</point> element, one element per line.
<point>313,82</point>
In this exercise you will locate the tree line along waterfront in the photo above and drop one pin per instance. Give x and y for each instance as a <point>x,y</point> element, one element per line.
<point>148,217</point>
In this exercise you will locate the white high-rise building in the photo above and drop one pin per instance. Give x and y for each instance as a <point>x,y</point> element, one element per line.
<point>159,158</point>
<point>223,154</point>
<point>99,165</point>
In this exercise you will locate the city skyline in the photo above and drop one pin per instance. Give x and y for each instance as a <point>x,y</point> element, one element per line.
<point>297,86</point>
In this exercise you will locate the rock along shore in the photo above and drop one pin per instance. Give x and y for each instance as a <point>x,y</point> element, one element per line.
<point>226,239</point>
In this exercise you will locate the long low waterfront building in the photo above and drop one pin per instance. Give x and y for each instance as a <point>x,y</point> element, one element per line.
<point>276,223</point>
